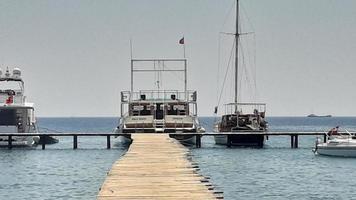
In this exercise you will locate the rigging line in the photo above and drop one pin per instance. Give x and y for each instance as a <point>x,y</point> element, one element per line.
<point>226,73</point>
<point>255,63</point>
<point>251,70</point>
<point>174,73</point>
<point>228,14</point>
<point>252,75</point>
<point>218,70</point>
<point>254,48</point>
<point>247,17</point>
<point>246,71</point>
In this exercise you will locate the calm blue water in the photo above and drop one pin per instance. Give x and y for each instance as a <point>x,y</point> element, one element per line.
<point>277,171</point>
<point>274,172</point>
<point>59,172</point>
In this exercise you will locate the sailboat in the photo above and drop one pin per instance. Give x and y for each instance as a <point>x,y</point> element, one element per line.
<point>246,118</point>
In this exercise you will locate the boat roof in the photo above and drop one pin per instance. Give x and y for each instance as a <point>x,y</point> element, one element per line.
<point>11,79</point>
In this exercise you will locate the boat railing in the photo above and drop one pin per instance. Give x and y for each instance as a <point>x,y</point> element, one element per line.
<point>340,135</point>
<point>12,99</point>
<point>158,95</point>
<point>245,108</point>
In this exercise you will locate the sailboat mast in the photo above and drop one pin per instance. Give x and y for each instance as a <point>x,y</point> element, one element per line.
<point>236,51</point>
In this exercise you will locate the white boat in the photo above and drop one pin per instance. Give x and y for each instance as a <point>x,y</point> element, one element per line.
<point>159,111</point>
<point>16,115</point>
<point>341,145</point>
<point>247,118</point>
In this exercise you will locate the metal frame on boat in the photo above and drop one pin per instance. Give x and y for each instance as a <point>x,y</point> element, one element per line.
<point>159,110</point>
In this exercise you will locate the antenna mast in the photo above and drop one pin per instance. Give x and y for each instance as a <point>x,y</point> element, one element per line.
<point>237,34</point>
<point>131,88</point>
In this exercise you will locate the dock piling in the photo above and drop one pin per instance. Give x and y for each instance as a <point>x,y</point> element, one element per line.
<point>296,141</point>
<point>291,141</point>
<point>10,142</point>
<point>108,142</point>
<point>198,141</point>
<point>229,142</point>
<point>43,141</point>
<point>75,141</point>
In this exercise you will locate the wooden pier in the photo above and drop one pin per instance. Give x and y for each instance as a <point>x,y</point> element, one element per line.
<point>155,167</point>
<point>294,136</point>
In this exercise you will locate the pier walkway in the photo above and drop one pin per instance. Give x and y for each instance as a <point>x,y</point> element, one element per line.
<point>155,167</point>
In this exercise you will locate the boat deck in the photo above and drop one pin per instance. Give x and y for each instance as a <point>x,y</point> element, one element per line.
<point>155,167</point>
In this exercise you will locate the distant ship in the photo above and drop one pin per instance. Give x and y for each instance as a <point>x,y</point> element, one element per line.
<point>314,115</point>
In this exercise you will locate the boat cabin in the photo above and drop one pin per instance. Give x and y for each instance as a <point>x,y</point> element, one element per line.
<point>16,115</point>
<point>243,117</point>
<point>158,111</point>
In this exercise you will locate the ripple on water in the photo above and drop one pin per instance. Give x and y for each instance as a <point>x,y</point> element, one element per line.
<point>277,173</point>
<point>54,174</point>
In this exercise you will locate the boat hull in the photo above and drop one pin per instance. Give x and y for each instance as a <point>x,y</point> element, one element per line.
<point>337,151</point>
<point>125,139</point>
<point>248,140</point>
<point>47,140</point>
<point>185,139</point>
<point>18,141</point>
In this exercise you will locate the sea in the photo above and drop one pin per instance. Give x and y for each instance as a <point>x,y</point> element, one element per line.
<point>273,172</point>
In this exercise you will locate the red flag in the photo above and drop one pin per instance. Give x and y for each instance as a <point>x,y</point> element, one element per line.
<point>10,100</point>
<point>181,41</point>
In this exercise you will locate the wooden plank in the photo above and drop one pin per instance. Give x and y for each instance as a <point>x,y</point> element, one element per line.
<point>155,167</point>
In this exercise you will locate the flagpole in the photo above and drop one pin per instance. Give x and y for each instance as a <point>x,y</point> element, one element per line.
<point>183,46</point>
<point>182,42</point>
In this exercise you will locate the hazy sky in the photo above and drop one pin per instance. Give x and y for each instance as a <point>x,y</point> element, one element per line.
<point>75,55</point>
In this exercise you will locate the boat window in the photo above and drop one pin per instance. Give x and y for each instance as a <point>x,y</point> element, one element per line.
<point>138,110</point>
<point>176,109</point>
<point>171,110</point>
<point>145,111</point>
<point>8,117</point>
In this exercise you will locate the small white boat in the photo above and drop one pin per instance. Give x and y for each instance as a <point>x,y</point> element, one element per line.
<point>342,146</point>
<point>16,114</point>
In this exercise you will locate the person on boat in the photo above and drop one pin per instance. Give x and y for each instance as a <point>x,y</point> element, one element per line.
<point>333,131</point>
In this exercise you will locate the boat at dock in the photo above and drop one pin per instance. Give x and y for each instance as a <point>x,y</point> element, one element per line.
<point>16,114</point>
<point>247,117</point>
<point>337,145</point>
<point>159,111</point>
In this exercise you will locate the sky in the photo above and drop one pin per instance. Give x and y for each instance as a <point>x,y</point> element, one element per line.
<point>75,55</point>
